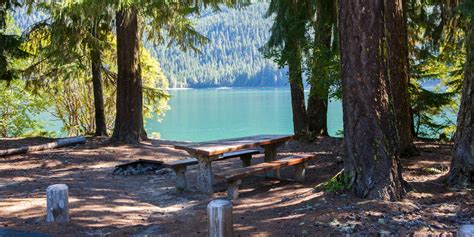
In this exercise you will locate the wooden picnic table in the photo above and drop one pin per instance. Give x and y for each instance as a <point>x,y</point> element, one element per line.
<point>206,152</point>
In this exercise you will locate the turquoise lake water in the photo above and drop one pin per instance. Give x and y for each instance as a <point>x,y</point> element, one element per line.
<point>208,114</point>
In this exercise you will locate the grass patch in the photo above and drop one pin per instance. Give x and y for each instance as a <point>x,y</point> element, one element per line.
<point>432,170</point>
<point>338,183</point>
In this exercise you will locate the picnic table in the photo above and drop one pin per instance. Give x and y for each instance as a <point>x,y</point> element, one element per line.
<point>206,152</point>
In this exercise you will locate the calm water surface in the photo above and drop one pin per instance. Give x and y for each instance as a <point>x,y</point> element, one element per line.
<point>208,114</point>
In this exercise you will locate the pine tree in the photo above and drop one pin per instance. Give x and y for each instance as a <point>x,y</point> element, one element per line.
<point>323,66</point>
<point>82,31</point>
<point>398,73</point>
<point>371,162</point>
<point>285,46</point>
<point>10,44</point>
<point>462,164</point>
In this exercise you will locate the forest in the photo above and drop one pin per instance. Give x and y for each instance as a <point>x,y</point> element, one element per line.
<point>403,71</point>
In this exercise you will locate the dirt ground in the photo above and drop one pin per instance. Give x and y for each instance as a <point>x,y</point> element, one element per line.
<point>102,204</point>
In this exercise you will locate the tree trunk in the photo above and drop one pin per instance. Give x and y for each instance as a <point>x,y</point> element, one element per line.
<point>398,76</point>
<point>297,90</point>
<point>318,95</point>
<point>100,124</point>
<point>371,163</point>
<point>129,117</point>
<point>317,111</point>
<point>462,164</point>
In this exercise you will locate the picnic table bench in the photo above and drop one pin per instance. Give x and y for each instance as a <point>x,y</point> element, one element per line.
<point>234,177</point>
<point>207,152</point>
<point>180,166</point>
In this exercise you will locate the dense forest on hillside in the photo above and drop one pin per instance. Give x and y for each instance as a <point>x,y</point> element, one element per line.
<point>230,58</point>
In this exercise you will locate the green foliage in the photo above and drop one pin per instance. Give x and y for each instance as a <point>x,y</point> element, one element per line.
<point>79,27</point>
<point>467,8</point>
<point>322,50</point>
<point>437,53</point>
<point>18,107</point>
<point>71,87</point>
<point>432,170</point>
<point>5,7</point>
<point>288,29</point>
<point>336,184</point>
<point>231,58</point>
<point>428,108</point>
<point>10,44</point>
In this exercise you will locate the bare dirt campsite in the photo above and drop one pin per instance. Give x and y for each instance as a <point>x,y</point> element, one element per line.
<point>103,204</point>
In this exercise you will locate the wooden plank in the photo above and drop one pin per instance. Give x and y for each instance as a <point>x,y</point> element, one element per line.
<point>228,145</point>
<point>264,167</point>
<point>240,153</point>
<point>180,163</point>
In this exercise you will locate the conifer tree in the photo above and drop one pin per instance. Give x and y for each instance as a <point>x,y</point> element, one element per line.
<point>371,163</point>
<point>285,46</point>
<point>462,164</point>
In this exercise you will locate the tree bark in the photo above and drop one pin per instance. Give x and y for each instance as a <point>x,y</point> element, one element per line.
<point>398,73</point>
<point>371,162</point>
<point>462,164</point>
<point>100,124</point>
<point>60,143</point>
<point>317,111</point>
<point>319,92</point>
<point>300,125</point>
<point>129,117</point>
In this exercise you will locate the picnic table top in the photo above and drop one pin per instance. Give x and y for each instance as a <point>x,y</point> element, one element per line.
<point>218,147</point>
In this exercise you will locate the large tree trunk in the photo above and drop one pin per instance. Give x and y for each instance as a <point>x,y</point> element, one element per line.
<point>318,95</point>
<point>398,64</point>
<point>100,124</point>
<point>462,164</point>
<point>370,138</point>
<point>317,111</point>
<point>129,118</point>
<point>297,90</point>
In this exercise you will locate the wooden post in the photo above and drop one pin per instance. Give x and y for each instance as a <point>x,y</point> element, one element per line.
<point>271,155</point>
<point>57,204</point>
<point>246,160</point>
<point>219,214</point>
<point>233,189</point>
<point>205,179</point>
<point>466,231</point>
<point>180,178</point>
<point>300,171</point>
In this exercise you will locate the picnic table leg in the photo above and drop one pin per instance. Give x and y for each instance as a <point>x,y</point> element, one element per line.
<point>205,179</point>
<point>271,155</point>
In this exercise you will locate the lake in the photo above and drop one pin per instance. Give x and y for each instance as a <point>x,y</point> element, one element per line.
<point>209,114</point>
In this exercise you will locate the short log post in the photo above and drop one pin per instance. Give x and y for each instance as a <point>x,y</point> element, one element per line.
<point>180,178</point>
<point>466,231</point>
<point>233,189</point>
<point>271,155</point>
<point>57,204</point>
<point>300,171</point>
<point>219,214</point>
<point>246,160</point>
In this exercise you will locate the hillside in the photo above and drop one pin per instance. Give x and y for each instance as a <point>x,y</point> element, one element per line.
<point>231,58</point>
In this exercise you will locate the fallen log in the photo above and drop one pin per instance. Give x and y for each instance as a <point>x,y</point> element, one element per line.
<point>59,143</point>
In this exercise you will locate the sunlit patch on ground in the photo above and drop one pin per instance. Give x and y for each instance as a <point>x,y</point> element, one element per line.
<point>102,203</point>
